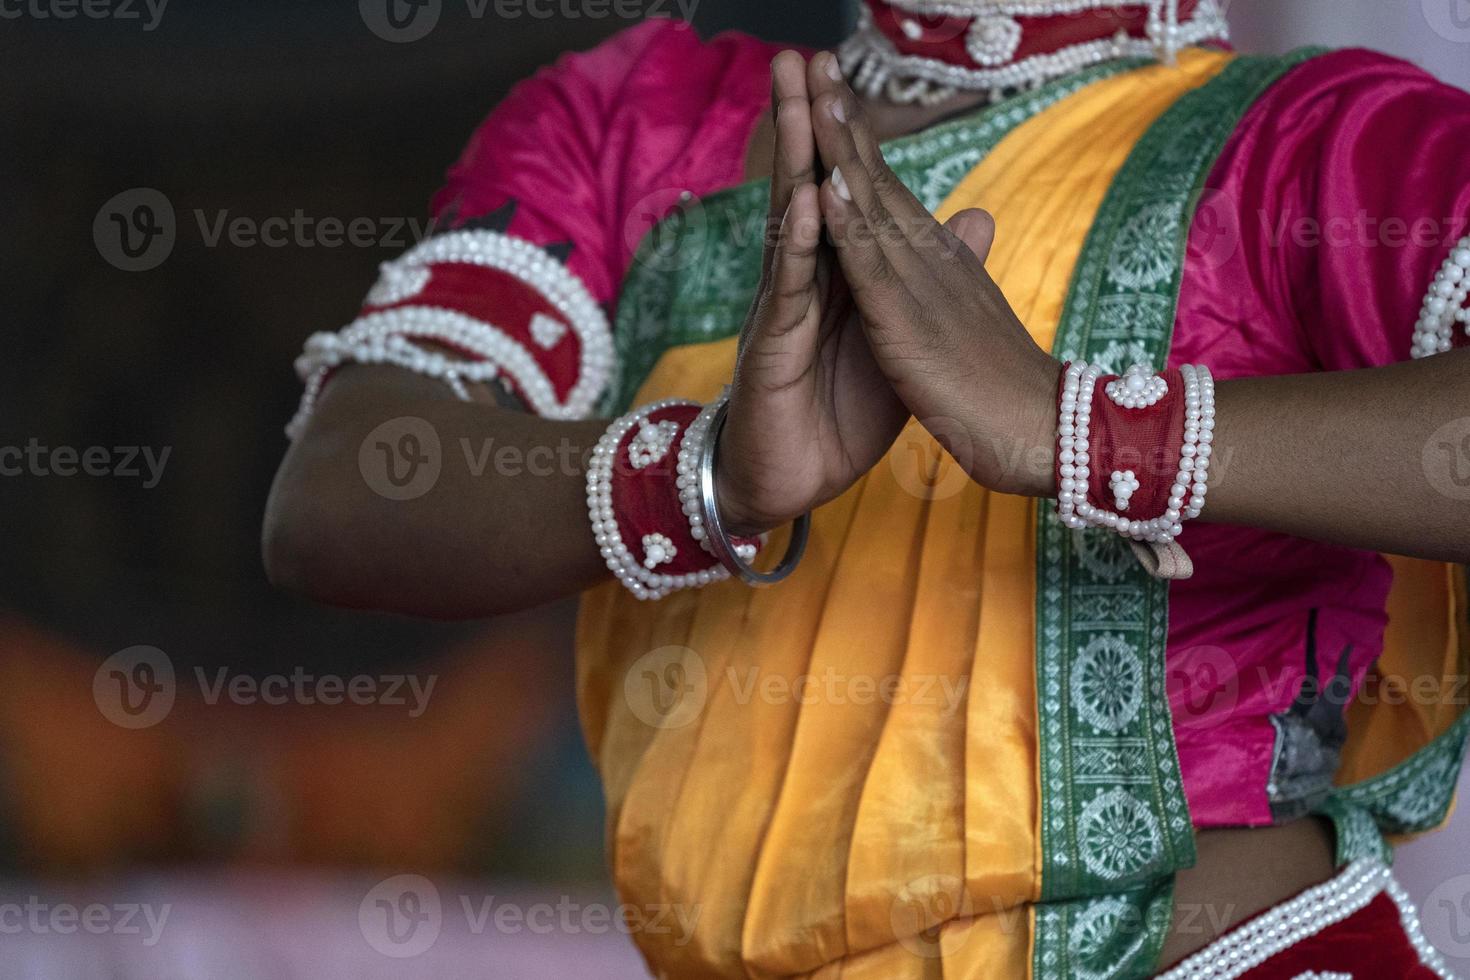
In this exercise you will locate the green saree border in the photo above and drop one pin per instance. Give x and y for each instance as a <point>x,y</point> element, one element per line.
<point>1115,822</point>
<point>693,274</point>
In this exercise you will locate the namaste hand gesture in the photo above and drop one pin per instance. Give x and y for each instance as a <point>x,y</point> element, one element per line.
<point>810,410</point>
<point>821,394</point>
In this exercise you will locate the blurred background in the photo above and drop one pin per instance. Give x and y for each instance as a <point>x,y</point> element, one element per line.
<point>241,838</point>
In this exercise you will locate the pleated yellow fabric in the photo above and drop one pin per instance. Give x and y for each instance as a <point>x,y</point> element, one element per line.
<point>839,774</point>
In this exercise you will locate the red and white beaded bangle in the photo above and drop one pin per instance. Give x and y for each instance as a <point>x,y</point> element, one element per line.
<point>645,520</point>
<point>499,307</point>
<point>1143,404</point>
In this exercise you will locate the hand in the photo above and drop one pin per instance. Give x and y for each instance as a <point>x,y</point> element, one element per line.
<point>938,325</point>
<point>810,411</point>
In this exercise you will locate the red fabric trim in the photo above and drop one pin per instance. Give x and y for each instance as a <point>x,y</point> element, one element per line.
<point>1369,943</point>
<point>507,303</point>
<point>1144,440</point>
<point>647,501</point>
<point>944,38</point>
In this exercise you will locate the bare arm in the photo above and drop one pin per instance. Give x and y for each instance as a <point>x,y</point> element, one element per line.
<point>504,526</point>
<point>1367,459</point>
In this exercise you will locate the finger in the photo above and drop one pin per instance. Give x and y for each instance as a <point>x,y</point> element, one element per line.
<point>795,150</point>
<point>854,184</point>
<point>873,281</point>
<point>780,342</point>
<point>824,79</point>
<point>793,287</point>
<point>976,228</point>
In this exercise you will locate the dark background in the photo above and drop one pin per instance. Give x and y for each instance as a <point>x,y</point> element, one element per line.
<point>261,109</point>
<point>257,110</point>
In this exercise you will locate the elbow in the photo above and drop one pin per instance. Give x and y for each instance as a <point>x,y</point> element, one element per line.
<point>288,550</point>
<point>302,542</point>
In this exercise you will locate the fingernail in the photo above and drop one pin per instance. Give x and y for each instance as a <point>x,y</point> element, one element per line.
<point>833,69</point>
<point>839,184</point>
<point>839,111</point>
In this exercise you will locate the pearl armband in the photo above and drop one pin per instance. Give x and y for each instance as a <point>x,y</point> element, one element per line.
<point>1127,439</point>
<point>1444,304</point>
<point>642,500</point>
<point>473,305</point>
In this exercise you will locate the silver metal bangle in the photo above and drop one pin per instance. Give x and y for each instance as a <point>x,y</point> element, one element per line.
<point>715,535</point>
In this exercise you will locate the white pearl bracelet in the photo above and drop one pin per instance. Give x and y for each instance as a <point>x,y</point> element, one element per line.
<point>1444,304</point>
<point>640,576</point>
<point>1191,483</point>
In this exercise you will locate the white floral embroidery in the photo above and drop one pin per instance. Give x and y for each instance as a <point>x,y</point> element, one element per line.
<point>657,550</point>
<point>1103,921</point>
<point>1107,683</point>
<point>398,281</point>
<point>1118,836</point>
<point>652,443</point>
<point>993,40</point>
<point>1137,261</point>
<point>546,331</point>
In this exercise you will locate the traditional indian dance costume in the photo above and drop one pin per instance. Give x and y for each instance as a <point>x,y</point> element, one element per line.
<point>1024,710</point>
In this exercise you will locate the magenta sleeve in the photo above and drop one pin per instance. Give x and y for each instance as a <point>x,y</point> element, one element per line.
<point>1340,196</point>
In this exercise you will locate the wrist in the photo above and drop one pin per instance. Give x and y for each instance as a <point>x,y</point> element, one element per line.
<point>729,499</point>
<point>1039,472</point>
<point>1024,459</point>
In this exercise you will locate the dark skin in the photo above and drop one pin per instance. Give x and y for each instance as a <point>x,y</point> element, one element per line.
<point>839,349</point>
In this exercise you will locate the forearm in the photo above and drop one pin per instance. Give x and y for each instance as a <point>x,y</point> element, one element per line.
<point>1351,457</point>
<point>503,526</point>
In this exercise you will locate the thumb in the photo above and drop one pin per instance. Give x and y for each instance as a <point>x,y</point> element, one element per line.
<point>976,228</point>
